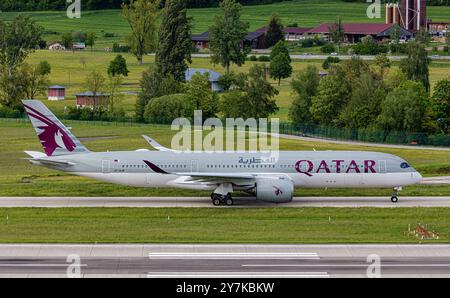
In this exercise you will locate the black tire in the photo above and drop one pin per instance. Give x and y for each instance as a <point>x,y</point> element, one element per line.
<point>216,201</point>
<point>229,202</point>
<point>394,199</point>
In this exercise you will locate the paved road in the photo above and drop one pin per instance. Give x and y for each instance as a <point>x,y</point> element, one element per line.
<point>206,261</point>
<point>188,202</point>
<point>323,57</point>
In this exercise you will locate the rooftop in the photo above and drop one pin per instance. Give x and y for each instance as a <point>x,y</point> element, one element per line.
<point>213,75</point>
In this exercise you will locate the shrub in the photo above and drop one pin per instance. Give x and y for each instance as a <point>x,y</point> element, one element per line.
<point>165,109</point>
<point>328,49</point>
<point>253,58</point>
<point>264,59</point>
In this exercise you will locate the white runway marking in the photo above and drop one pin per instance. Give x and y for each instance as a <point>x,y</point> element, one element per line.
<point>237,256</point>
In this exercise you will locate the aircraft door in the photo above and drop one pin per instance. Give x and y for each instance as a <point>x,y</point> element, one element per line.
<point>106,166</point>
<point>194,166</point>
<point>382,166</point>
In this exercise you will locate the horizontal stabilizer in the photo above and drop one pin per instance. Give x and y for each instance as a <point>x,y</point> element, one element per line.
<point>156,145</point>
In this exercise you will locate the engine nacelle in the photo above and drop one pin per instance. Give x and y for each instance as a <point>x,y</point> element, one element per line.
<point>274,190</point>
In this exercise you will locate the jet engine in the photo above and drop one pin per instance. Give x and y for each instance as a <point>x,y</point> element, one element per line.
<point>274,190</point>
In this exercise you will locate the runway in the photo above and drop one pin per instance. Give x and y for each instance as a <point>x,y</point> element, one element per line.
<point>219,261</point>
<point>196,202</point>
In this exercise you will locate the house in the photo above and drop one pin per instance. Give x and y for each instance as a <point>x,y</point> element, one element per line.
<point>201,41</point>
<point>439,31</point>
<point>57,47</point>
<point>78,46</point>
<point>253,39</point>
<point>353,32</point>
<point>56,93</point>
<point>213,77</point>
<point>88,99</point>
<point>291,33</point>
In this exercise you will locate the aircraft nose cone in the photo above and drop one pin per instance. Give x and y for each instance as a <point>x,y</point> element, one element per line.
<point>417,177</point>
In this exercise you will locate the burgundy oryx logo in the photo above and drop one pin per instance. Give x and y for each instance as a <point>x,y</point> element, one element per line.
<point>52,136</point>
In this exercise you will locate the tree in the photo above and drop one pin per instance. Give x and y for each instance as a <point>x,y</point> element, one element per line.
<point>67,40</point>
<point>274,32</point>
<point>201,96</point>
<point>153,85</point>
<point>35,79</point>
<point>422,36</point>
<point>253,97</point>
<point>305,87</point>
<point>115,97</point>
<point>226,36</point>
<point>118,66</point>
<point>90,39</point>
<point>280,64</point>
<point>416,65</point>
<point>329,61</point>
<point>364,104</point>
<point>404,108</point>
<point>382,63</point>
<point>141,17</point>
<point>337,32</point>
<point>440,101</point>
<point>44,68</point>
<point>165,109</point>
<point>18,39</point>
<point>95,82</point>
<point>395,33</point>
<point>174,44</point>
<point>332,96</point>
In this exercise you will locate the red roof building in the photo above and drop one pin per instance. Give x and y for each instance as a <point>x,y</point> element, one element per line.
<point>292,33</point>
<point>355,31</point>
<point>56,93</point>
<point>89,99</point>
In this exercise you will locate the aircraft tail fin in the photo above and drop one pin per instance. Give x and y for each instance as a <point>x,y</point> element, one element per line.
<point>56,139</point>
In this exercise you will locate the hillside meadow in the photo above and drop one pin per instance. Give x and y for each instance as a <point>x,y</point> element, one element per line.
<point>306,13</point>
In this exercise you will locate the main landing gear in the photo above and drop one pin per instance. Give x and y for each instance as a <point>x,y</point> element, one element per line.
<point>394,197</point>
<point>218,199</point>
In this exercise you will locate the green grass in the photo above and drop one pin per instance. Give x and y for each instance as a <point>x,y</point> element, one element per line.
<point>307,13</point>
<point>212,225</point>
<point>19,178</point>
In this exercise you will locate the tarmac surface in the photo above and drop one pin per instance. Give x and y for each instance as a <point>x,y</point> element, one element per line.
<point>196,202</point>
<point>222,261</point>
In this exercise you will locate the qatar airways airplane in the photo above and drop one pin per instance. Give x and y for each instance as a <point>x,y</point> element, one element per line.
<point>269,179</point>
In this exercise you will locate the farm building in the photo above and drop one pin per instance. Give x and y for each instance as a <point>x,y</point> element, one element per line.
<point>291,33</point>
<point>56,93</point>
<point>57,47</point>
<point>213,77</point>
<point>253,39</point>
<point>89,99</point>
<point>353,32</point>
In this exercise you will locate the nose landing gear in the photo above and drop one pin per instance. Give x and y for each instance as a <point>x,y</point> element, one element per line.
<point>394,197</point>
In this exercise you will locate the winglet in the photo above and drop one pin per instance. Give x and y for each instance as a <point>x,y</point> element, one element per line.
<point>155,144</point>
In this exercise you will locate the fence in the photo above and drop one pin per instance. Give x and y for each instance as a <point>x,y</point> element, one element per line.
<point>309,130</point>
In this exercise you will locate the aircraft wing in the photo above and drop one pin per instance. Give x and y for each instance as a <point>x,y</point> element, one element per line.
<point>214,178</point>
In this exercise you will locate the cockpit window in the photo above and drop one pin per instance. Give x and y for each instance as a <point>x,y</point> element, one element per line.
<point>404,165</point>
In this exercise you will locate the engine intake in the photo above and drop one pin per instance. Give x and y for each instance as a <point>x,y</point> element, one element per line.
<point>274,190</point>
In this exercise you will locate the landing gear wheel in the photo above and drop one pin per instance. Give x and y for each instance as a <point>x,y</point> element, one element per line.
<point>229,201</point>
<point>216,201</point>
<point>394,199</point>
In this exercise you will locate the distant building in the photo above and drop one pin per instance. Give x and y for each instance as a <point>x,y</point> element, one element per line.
<point>201,41</point>
<point>88,99</point>
<point>409,14</point>
<point>79,46</point>
<point>291,33</point>
<point>213,77</point>
<point>439,29</point>
<point>56,93</point>
<point>253,39</point>
<point>57,47</point>
<point>353,32</point>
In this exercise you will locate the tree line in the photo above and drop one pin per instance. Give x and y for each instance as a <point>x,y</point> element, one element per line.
<point>39,5</point>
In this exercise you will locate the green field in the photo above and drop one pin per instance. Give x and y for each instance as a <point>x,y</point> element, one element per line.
<point>212,225</point>
<point>306,13</point>
<point>69,70</point>
<point>19,178</point>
